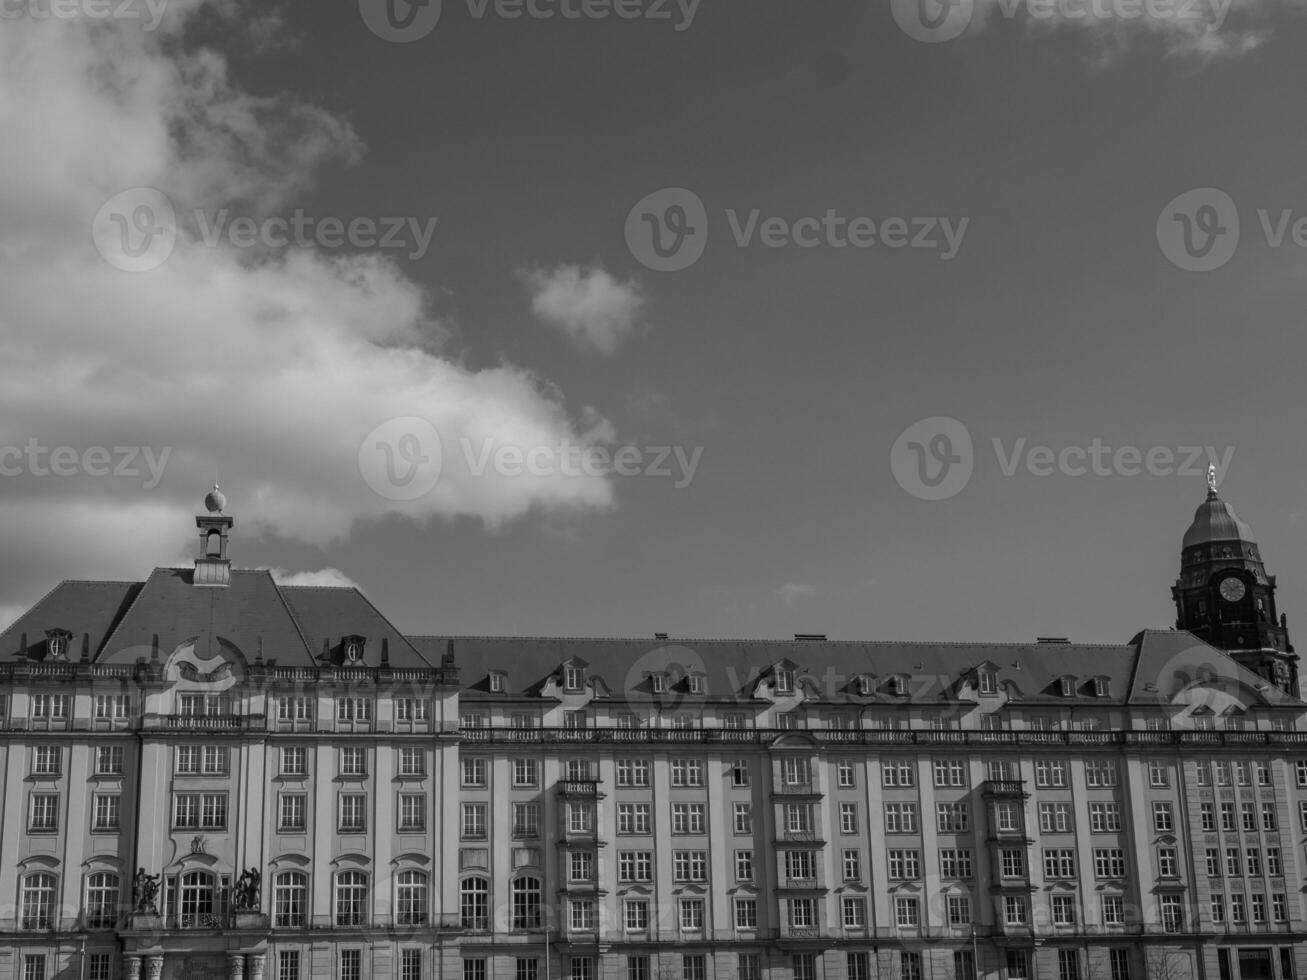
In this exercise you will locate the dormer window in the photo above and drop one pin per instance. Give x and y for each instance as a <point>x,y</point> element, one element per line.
<point>1066,685</point>
<point>573,678</point>
<point>56,643</point>
<point>987,683</point>
<point>784,680</point>
<point>353,646</point>
<point>658,682</point>
<point>496,682</point>
<point>1100,687</point>
<point>864,685</point>
<point>895,684</point>
<point>696,683</point>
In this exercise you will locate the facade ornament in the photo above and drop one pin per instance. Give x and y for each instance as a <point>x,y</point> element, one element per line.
<point>145,889</point>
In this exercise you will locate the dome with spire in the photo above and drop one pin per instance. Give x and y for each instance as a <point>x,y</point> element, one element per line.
<point>1215,520</point>
<point>215,500</point>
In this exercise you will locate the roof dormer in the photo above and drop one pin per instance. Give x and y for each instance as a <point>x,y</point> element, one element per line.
<point>498,681</point>
<point>1066,686</point>
<point>574,676</point>
<point>352,648</point>
<point>57,644</point>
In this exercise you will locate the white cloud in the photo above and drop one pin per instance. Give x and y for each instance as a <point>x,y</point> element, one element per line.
<point>265,370</point>
<point>331,577</point>
<point>792,592</point>
<point>588,305</point>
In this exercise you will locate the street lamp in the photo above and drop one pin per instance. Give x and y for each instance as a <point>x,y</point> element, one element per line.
<point>975,954</point>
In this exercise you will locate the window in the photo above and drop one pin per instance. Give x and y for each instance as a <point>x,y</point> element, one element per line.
<point>293,709</point>
<point>1007,816</point>
<point>1233,862</point>
<point>852,864</point>
<point>353,815</point>
<point>1213,860</point>
<point>1253,858</point>
<point>573,678</point>
<point>1055,818</point>
<point>290,899</point>
<point>188,760</point>
<point>1050,773</point>
<point>197,897</point>
<point>1227,817</point>
<point>526,820</point>
<point>527,773</point>
<point>904,865</point>
<point>744,865</point>
<point>803,913</point>
<point>848,818</point>
<point>854,912</point>
<point>581,818</point>
<point>692,966</point>
<point>687,818</point>
<point>1105,818</point>
<point>580,865</point>
<point>1159,775</point>
<point>474,904</point>
<point>959,910</point>
<point>411,711</point>
<point>351,964</point>
<point>1222,770</point>
<point>46,760</point>
<point>635,772</point>
<point>1109,862</point>
<point>353,709</point>
<point>687,772</point>
<point>900,818</point>
<point>1100,772</point>
<point>1268,816</point>
<point>525,903</point>
<point>799,865</point>
<point>1163,819</point>
<point>412,813</point>
<point>1274,865</point>
<point>633,818</point>
<point>474,821</point>
<point>1064,910</point>
<point>1279,907</point>
<point>743,818</point>
<point>897,773</point>
<point>101,900</point>
<point>109,760</point>
<point>215,762</point>
<point>633,866</point>
<point>635,915</point>
<point>1018,964</point>
<point>37,901</point>
<point>1203,774</point>
<point>907,913</point>
<point>288,964</point>
<point>747,967</point>
<point>45,813</point>
<point>1059,862</point>
<point>1012,862</point>
<point>1113,910</point>
<point>1068,964</point>
<point>691,914</point>
<point>844,775</point>
<point>50,707</point>
<point>351,898</point>
<point>411,898</point>
<point>1207,816</point>
<point>474,772</point>
<point>294,760</point>
<point>410,964</point>
<point>112,707</point>
<point>34,966</point>
<point>1258,907</point>
<point>1014,910</point>
<point>353,761</point>
<point>955,863</point>
<point>952,818</point>
<point>101,967</point>
<point>950,772</point>
<point>412,762</point>
<point>291,813</point>
<point>105,810</point>
<point>1167,866</point>
<point>746,913</point>
<point>1172,913</point>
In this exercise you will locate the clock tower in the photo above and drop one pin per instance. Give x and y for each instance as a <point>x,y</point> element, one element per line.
<point>1225,598</point>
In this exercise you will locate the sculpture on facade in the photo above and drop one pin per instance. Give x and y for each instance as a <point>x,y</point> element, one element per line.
<point>145,889</point>
<point>245,896</point>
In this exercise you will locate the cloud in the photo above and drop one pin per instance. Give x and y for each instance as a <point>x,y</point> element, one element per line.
<point>792,592</point>
<point>589,305</point>
<point>266,369</point>
<point>330,577</point>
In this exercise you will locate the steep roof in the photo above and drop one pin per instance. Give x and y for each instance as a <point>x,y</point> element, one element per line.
<point>331,612</point>
<point>86,609</point>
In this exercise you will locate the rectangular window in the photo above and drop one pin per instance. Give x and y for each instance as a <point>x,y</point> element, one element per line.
<point>900,818</point>
<point>1064,910</point>
<point>106,810</point>
<point>743,818</point>
<point>689,866</point>
<point>109,760</point>
<point>1050,773</point>
<point>1113,910</point>
<point>294,760</point>
<point>294,709</point>
<point>50,707</point>
<point>687,818</point>
<point>1109,862</point>
<point>474,771</point>
<point>45,813</point>
<point>353,815</point>
<point>634,866</point>
<point>633,818</point>
<point>848,818</point>
<point>1159,774</point>
<point>46,760</point>
<point>200,811</point>
<point>747,966</point>
<point>411,711</point>
<point>1014,910</point>
<point>353,710</point>
<point>1167,862</point>
<point>1100,772</point>
<point>744,865</point>
<point>353,761</point>
<point>34,966</point>
<point>959,910</point>
<point>955,863</point>
<point>351,964</point>
<point>1055,818</point>
<point>1207,816</point>
<point>412,813</point>
<point>635,914</point>
<point>1059,862</point>
<point>1012,862</point>
<point>854,912</point>
<point>897,773</point>
<point>952,818</point>
<point>852,864</point>
<point>687,772</point>
<point>1268,816</point>
<point>410,961</point>
<point>292,817</point>
<point>1216,907</point>
<point>746,913</point>
<point>526,820</point>
<point>907,913</point>
<point>1105,818</point>
<point>904,865</point>
<point>1119,960</point>
<point>1163,818</point>
<point>635,772</point>
<point>1172,913</point>
<point>527,773</point>
<point>691,914</point>
<point>474,821</point>
<point>188,760</point>
<point>844,775</point>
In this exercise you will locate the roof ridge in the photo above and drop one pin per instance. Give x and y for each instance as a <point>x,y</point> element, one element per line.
<point>290,613</point>
<point>1012,644</point>
<point>385,619</point>
<point>126,613</point>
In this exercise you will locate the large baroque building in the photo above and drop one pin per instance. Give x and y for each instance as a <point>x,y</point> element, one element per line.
<point>210,775</point>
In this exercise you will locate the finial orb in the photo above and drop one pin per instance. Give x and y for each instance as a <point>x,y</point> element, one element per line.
<point>215,500</point>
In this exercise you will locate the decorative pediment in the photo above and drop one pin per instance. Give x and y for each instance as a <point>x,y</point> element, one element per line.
<point>351,860</point>
<point>410,858</point>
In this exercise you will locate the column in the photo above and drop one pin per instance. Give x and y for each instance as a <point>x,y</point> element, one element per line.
<point>255,966</point>
<point>236,966</point>
<point>132,964</point>
<point>153,967</point>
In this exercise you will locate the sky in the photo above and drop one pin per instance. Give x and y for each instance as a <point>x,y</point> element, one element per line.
<point>729,319</point>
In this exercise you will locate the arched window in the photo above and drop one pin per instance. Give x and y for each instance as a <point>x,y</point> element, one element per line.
<point>474,904</point>
<point>101,900</point>
<point>411,898</point>
<point>351,898</point>
<point>290,891</point>
<point>526,903</point>
<point>196,898</point>
<point>38,901</point>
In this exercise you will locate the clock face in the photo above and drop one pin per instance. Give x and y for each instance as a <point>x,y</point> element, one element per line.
<point>1232,590</point>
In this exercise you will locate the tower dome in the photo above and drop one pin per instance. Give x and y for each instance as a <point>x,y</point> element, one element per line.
<point>1214,521</point>
<point>215,500</point>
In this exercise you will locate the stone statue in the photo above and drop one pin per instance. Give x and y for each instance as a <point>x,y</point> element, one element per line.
<point>1211,477</point>
<point>145,889</point>
<point>245,896</point>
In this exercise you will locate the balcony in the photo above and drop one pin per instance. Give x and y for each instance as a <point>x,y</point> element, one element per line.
<point>1005,789</point>
<point>207,723</point>
<point>579,788</point>
<point>802,837</point>
<point>805,787</point>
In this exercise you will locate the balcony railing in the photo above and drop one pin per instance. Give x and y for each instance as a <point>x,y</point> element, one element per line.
<point>802,788</point>
<point>579,787</point>
<point>209,723</point>
<point>1005,787</point>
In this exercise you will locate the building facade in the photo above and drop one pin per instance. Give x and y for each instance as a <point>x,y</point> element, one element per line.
<point>210,775</point>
